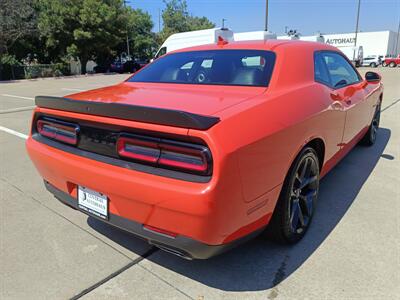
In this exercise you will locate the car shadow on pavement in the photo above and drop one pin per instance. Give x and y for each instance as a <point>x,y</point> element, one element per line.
<point>261,264</point>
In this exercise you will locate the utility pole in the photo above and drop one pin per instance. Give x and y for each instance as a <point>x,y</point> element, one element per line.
<point>266,15</point>
<point>397,40</point>
<point>127,34</point>
<point>358,19</point>
<point>159,20</point>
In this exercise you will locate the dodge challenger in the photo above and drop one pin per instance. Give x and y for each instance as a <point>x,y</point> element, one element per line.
<point>208,146</point>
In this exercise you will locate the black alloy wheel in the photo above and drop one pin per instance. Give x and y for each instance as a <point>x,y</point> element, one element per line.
<point>297,201</point>
<point>370,137</point>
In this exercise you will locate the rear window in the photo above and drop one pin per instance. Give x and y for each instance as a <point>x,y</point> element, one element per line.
<point>215,67</point>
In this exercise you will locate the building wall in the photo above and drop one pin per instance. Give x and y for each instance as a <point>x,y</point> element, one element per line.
<point>373,43</point>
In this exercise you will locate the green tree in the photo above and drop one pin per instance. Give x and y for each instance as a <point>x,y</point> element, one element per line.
<point>198,23</point>
<point>82,29</point>
<point>17,20</point>
<point>141,37</point>
<point>18,34</point>
<point>176,18</point>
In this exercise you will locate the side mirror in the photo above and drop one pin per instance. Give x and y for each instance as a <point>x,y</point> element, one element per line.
<point>372,77</point>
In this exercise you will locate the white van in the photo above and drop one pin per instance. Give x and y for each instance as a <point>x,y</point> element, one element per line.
<point>194,38</point>
<point>254,36</point>
<point>314,38</point>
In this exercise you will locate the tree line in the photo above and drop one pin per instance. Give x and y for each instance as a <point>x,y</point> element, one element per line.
<point>56,31</point>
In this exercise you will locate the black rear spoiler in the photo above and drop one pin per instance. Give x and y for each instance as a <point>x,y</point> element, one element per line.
<point>129,112</point>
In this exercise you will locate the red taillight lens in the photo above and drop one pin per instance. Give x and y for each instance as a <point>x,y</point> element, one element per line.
<point>60,131</point>
<point>193,159</point>
<point>185,157</point>
<point>138,149</point>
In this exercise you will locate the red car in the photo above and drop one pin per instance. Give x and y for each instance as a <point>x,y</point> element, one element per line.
<point>391,61</point>
<point>208,146</point>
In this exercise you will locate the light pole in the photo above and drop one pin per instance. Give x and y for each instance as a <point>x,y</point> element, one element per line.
<point>223,23</point>
<point>358,19</point>
<point>397,40</point>
<point>266,15</point>
<point>127,35</point>
<point>159,20</point>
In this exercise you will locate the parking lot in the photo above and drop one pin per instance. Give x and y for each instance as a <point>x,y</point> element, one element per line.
<point>48,250</point>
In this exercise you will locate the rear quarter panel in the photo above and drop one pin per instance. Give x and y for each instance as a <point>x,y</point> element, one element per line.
<point>253,151</point>
<point>266,138</point>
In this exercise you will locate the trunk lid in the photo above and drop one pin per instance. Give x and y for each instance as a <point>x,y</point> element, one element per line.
<point>204,100</point>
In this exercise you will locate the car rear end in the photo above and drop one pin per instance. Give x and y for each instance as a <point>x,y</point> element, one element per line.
<point>170,185</point>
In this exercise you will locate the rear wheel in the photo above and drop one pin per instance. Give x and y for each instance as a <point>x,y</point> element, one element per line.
<point>392,64</point>
<point>370,137</point>
<point>384,64</point>
<point>373,65</point>
<point>295,208</point>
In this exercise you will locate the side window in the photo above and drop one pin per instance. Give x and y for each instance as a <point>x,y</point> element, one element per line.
<point>320,71</point>
<point>341,72</point>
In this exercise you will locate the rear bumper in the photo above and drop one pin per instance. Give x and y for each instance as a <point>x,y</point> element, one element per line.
<point>207,212</point>
<point>179,245</point>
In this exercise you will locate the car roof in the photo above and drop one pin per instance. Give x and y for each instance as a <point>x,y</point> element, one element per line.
<point>270,45</point>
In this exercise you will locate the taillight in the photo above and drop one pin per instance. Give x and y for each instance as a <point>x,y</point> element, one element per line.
<point>57,130</point>
<point>138,149</point>
<point>186,157</point>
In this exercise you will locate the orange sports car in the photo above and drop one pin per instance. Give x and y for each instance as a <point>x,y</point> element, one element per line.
<point>208,146</point>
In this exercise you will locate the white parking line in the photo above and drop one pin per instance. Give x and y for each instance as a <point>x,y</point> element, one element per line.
<point>7,111</point>
<point>15,96</point>
<point>74,90</point>
<point>13,132</point>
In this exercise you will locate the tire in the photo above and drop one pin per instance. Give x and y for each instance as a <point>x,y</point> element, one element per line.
<point>392,64</point>
<point>295,207</point>
<point>384,64</point>
<point>370,137</point>
<point>373,65</point>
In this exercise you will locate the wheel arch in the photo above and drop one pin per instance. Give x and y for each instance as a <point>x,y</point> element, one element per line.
<point>318,144</point>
